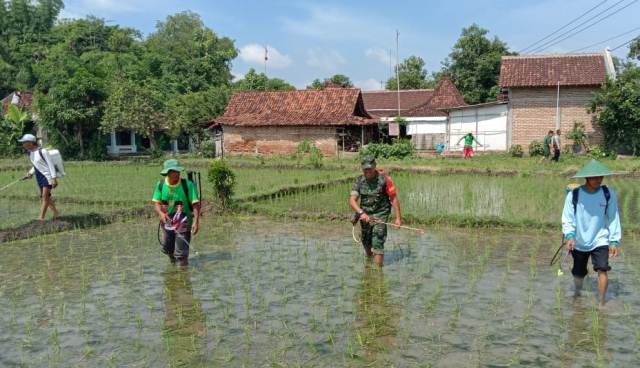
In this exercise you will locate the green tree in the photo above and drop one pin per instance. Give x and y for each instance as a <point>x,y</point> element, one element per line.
<point>190,113</point>
<point>188,56</point>
<point>337,79</point>
<point>136,107</point>
<point>617,108</point>
<point>73,83</point>
<point>413,75</point>
<point>254,81</point>
<point>24,37</point>
<point>474,64</point>
<point>634,49</point>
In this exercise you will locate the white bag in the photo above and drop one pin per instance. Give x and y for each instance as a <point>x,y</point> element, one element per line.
<point>56,160</point>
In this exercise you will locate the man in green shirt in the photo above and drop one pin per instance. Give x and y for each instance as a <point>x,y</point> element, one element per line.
<point>468,144</point>
<point>546,146</point>
<point>172,196</point>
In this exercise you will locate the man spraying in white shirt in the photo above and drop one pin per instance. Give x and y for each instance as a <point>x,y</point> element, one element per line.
<point>591,226</point>
<point>45,172</point>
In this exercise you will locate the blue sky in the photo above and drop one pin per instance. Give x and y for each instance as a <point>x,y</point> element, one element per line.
<point>316,39</point>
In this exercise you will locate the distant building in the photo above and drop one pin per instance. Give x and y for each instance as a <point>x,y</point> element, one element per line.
<point>334,119</point>
<point>421,109</point>
<point>537,84</point>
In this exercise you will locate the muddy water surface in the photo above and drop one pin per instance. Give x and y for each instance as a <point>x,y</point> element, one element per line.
<point>264,293</point>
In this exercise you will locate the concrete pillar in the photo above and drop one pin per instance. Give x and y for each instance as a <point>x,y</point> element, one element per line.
<point>113,148</point>
<point>133,142</point>
<point>174,145</point>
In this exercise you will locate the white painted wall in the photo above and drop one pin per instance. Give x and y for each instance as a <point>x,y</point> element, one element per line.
<point>488,124</point>
<point>430,126</point>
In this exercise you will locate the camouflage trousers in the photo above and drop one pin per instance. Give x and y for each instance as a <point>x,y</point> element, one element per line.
<point>374,235</point>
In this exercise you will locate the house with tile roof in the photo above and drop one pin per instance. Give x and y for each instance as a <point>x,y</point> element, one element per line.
<point>421,109</point>
<point>276,122</point>
<point>549,92</point>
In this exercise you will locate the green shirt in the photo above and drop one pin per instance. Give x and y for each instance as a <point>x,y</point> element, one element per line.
<point>547,141</point>
<point>375,195</point>
<point>171,194</point>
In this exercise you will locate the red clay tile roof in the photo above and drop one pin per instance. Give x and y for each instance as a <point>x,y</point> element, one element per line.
<point>331,106</point>
<point>24,100</point>
<point>547,70</point>
<point>444,96</point>
<point>385,103</point>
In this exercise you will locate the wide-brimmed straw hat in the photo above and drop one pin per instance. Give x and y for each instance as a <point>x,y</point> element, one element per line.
<point>592,169</point>
<point>171,165</point>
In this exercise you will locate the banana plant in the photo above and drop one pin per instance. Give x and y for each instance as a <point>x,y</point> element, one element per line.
<point>15,120</point>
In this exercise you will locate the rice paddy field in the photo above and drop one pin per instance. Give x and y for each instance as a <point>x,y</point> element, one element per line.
<point>264,293</point>
<point>264,289</point>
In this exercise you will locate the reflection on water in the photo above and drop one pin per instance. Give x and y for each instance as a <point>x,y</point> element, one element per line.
<point>376,324</point>
<point>183,325</point>
<point>266,293</point>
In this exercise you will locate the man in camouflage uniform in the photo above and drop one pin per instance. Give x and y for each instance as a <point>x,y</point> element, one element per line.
<point>377,195</point>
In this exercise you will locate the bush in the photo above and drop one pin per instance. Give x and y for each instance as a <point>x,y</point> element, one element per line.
<point>315,157</point>
<point>516,151</point>
<point>223,180</point>
<point>399,149</point>
<point>97,149</point>
<point>207,148</point>
<point>154,153</point>
<point>577,134</point>
<point>305,146</point>
<point>536,149</point>
<point>313,153</point>
<point>599,152</point>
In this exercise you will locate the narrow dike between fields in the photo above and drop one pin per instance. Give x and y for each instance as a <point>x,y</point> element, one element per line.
<point>36,228</point>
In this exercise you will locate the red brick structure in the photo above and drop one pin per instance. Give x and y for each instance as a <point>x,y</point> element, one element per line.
<point>276,122</point>
<point>531,83</point>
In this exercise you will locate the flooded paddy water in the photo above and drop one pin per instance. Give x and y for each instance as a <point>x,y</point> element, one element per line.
<point>274,293</point>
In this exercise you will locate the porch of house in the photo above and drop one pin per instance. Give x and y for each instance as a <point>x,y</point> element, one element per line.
<point>126,142</point>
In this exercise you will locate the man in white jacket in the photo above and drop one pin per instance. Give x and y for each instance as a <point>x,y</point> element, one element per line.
<point>45,172</point>
<point>591,226</point>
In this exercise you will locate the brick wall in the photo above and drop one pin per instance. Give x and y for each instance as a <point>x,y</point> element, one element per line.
<point>534,113</point>
<point>277,140</point>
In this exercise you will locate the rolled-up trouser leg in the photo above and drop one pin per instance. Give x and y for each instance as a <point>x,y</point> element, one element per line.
<point>182,241</point>
<point>169,243</point>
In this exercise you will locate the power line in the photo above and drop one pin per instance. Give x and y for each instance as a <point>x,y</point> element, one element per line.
<point>561,28</point>
<point>607,40</point>
<point>556,41</point>
<point>626,43</point>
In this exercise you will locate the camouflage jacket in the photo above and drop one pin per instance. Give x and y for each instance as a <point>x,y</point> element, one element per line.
<point>375,195</point>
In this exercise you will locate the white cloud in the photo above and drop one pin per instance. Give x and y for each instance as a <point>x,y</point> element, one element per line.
<point>254,54</point>
<point>370,84</point>
<point>329,60</point>
<point>378,54</point>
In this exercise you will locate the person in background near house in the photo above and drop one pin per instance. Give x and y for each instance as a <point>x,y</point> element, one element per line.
<point>546,146</point>
<point>173,198</point>
<point>467,151</point>
<point>45,172</point>
<point>556,144</point>
<point>377,195</point>
<point>591,226</point>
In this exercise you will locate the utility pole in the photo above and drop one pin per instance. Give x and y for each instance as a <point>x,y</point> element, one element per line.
<point>558,107</point>
<point>398,68</point>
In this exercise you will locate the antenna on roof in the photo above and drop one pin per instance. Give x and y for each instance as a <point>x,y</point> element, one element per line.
<point>266,57</point>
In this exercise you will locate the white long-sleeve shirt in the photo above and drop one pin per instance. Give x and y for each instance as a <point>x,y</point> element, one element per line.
<point>589,224</point>
<point>43,164</point>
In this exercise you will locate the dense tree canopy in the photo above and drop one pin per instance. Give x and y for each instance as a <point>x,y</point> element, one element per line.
<point>617,105</point>
<point>413,75</point>
<point>474,64</point>
<point>254,81</point>
<point>336,80</point>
